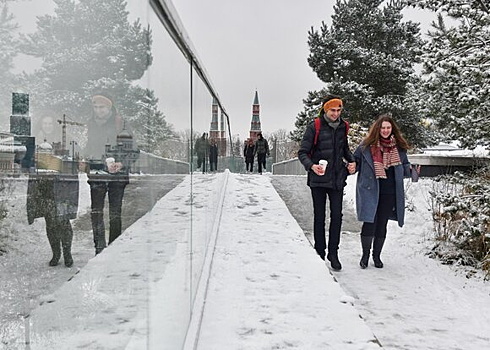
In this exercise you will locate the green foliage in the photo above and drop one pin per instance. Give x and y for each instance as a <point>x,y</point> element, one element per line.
<point>457,70</point>
<point>367,57</point>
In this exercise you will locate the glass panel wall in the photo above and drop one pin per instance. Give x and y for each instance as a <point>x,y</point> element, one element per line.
<point>169,79</point>
<point>106,216</point>
<point>203,214</point>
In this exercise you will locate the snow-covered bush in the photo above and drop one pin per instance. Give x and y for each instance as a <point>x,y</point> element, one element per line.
<point>461,213</point>
<point>5,193</point>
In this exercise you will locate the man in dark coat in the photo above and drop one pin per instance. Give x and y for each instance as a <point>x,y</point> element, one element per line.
<point>332,146</point>
<point>262,151</point>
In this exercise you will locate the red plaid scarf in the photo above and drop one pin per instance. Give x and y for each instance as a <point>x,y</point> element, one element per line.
<point>385,154</point>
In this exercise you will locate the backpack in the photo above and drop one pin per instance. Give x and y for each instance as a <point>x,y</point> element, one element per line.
<point>317,132</point>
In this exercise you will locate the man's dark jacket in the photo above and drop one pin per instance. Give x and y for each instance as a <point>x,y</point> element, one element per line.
<point>332,145</point>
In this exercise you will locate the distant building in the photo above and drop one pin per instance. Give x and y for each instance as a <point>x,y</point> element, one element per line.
<point>255,125</point>
<point>7,152</point>
<point>217,131</point>
<point>124,150</point>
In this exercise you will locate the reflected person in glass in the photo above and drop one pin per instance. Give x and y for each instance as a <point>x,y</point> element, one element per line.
<point>107,173</point>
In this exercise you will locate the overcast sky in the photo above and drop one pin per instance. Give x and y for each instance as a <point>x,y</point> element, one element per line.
<point>258,44</point>
<point>245,46</point>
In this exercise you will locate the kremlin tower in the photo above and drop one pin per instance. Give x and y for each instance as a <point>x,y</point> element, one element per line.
<point>255,127</point>
<point>214,130</point>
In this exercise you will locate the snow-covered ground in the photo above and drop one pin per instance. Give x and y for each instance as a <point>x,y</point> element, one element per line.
<point>267,289</point>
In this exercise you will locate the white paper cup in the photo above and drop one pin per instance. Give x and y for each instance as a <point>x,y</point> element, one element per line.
<point>324,164</point>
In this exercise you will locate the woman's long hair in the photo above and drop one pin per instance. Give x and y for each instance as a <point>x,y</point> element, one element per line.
<point>373,135</point>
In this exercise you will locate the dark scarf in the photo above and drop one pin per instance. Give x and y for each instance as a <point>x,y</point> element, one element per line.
<point>385,154</point>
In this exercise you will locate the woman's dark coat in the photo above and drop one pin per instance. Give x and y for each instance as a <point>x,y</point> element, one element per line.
<point>249,153</point>
<point>367,187</point>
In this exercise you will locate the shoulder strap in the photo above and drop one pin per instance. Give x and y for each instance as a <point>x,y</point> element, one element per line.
<point>317,130</point>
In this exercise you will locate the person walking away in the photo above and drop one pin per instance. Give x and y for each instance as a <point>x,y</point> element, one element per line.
<point>249,154</point>
<point>262,151</point>
<point>331,145</point>
<point>382,164</point>
<point>106,174</point>
<point>213,155</point>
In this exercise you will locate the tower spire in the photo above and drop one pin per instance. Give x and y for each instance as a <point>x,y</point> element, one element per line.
<point>255,125</point>
<point>217,128</point>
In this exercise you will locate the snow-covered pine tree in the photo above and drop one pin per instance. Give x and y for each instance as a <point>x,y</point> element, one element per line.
<point>457,69</point>
<point>90,45</point>
<point>367,56</point>
<point>9,49</point>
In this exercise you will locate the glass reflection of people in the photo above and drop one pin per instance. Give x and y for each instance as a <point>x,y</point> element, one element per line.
<point>106,175</point>
<point>52,194</point>
<point>55,197</point>
<point>47,130</point>
<point>200,149</point>
<point>213,155</point>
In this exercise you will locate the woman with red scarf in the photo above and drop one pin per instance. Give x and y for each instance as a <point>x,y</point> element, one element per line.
<point>382,164</point>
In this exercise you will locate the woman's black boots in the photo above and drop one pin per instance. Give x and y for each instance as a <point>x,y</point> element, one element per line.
<point>366,242</point>
<point>377,247</point>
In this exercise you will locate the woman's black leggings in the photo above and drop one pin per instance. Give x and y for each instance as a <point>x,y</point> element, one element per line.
<point>385,210</point>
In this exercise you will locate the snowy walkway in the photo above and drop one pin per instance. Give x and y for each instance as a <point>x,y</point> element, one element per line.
<point>414,302</point>
<point>267,289</point>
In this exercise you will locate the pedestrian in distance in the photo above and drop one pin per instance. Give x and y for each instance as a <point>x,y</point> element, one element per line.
<point>327,140</point>
<point>262,151</point>
<point>199,150</point>
<point>213,155</point>
<point>249,154</point>
<point>382,164</point>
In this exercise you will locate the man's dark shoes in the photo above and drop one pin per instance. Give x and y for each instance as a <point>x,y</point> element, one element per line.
<point>321,253</point>
<point>334,261</point>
